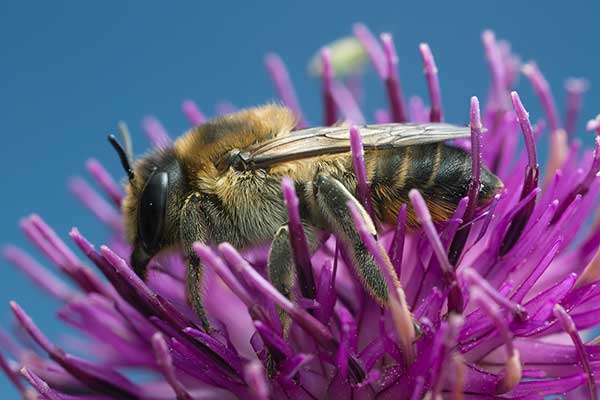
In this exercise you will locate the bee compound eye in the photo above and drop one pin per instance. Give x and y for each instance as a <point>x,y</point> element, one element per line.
<point>152,210</point>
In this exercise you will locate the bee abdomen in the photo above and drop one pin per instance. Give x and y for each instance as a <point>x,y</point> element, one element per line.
<point>440,172</point>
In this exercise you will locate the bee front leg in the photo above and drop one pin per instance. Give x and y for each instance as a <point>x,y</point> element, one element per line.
<point>332,198</point>
<point>193,290</point>
<point>192,229</point>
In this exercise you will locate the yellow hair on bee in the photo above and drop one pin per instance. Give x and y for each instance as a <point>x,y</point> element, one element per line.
<point>129,210</point>
<point>201,148</point>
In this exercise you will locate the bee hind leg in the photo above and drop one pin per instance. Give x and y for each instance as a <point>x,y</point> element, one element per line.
<point>332,199</point>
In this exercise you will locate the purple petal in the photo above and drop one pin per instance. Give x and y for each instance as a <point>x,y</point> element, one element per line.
<point>156,133</point>
<point>165,362</point>
<point>193,113</point>
<point>254,374</point>
<point>531,178</point>
<point>346,103</point>
<point>46,240</point>
<point>418,389</point>
<point>373,48</point>
<point>542,89</point>
<point>382,116</point>
<point>12,375</point>
<point>439,373</point>
<point>392,82</point>
<point>39,385</point>
<point>575,88</point>
<point>283,85</point>
<point>583,187</point>
<point>358,160</point>
<point>492,52</point>
<point>214,262</point>
<point>279,348</point>
<point>348,340</point>
<point>455,298</point>
<point>569,326</point>
<point>291,366</point>
<point>38,274</point>
<point>397,246</point>
<point>474,278</point>
<point>100,379</point>
<point>225,107</point>
<point>548,387</point>
<point>433,83</point>
<point>106,213</point>
<point>474,185</point>
<point>298,240</point>
<point>326,295</point>
<point>105,181</point>
<point>513,368</point>
<point>417,110</point>
<point>230,357</point>
<point>329,109</point>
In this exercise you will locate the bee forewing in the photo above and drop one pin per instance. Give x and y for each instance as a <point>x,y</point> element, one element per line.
<point>336,139</point>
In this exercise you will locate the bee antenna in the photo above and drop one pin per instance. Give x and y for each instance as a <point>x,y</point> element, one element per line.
<point>126,136</point>
<point>125,160</point>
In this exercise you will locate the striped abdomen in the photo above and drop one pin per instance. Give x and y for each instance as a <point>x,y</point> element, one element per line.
<point>440,172</point>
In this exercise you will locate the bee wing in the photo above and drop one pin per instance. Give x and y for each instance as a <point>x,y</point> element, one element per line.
<point>336,139</point>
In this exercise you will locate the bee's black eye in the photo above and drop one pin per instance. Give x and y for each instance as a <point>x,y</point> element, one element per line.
<point>151,211</point>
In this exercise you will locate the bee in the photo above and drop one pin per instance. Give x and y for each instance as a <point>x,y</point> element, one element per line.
<point>221,182</point>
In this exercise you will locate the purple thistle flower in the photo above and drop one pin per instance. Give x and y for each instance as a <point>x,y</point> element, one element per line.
<point>495,302</point>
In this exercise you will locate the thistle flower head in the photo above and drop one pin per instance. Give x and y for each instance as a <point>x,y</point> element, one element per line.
<point>495,302</point>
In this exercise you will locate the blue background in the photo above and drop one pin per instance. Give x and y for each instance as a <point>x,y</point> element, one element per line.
<point>70,70</point>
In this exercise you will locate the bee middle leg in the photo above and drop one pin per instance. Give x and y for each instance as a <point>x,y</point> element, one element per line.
<point>282,273</point>
<point>280,265</point>
<point>332,198</point>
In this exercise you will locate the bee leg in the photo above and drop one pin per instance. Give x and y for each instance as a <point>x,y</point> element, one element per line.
<point>192,229</point>
<point>281,269</point>
<point>332,199</point>
<point>193,290</point>
<point>282,272</point>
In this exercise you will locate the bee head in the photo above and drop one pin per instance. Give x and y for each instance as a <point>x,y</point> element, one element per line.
<point>150,208</point>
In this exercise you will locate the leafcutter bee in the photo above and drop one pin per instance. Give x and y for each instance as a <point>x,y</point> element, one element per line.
<point>221,182</point>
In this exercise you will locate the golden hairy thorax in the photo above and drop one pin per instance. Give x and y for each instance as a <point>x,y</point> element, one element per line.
<point>201,149</point>
<point>252,198</point>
